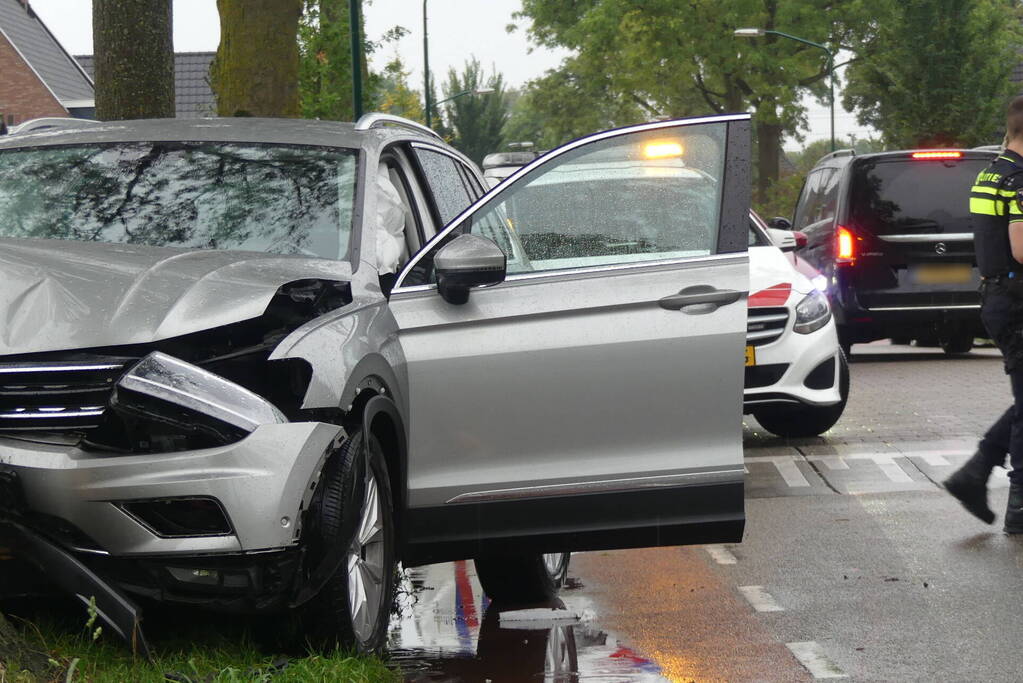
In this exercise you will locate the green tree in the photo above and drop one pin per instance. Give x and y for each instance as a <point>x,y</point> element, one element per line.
<point>134,59</point>
<point>675,59</point>
<point>475,120</point>
<point>394,95</point>
<point>255,72</point>
<point>946,86</point>
<point>566,103</point>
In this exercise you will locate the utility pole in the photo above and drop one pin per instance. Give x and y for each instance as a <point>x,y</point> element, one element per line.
<point>353,20</point>
<point>426,70</point>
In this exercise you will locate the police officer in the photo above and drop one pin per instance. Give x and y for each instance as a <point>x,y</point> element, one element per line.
<point>997,218</point>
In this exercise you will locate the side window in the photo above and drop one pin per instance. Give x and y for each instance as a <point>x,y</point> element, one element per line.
<point>643,196</point>
<point>444,178</point>
<point>807,200</point>
<point>829,196</point>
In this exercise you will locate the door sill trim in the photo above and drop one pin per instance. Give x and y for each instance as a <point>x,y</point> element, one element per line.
<point>601,486</point>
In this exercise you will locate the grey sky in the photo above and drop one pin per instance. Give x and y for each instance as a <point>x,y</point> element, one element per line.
<point>458,29</point>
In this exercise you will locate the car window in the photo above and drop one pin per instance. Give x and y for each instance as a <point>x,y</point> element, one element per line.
<point>644,196</point>
<point>243,197</point>
<point>445,181</point>
<point>905,195</point>
<point>808,200</point>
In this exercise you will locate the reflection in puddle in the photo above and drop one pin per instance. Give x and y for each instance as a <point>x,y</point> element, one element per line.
<point>446,629</point>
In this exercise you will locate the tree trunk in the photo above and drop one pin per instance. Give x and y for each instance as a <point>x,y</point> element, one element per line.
<point>134,59</point>
<point>255,72</point>
<point>768,157</point>
<point>16,656</point>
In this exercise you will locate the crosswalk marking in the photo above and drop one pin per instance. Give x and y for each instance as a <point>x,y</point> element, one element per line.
<point>786,466</point>
<point>721,554</point>
<point>760,599</point>
<point>811,655</point>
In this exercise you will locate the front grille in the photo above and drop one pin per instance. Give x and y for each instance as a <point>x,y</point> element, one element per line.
<point>765,325</point>
<point>60,395</point>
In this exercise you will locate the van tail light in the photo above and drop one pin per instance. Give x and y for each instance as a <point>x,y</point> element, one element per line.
<point>845,245</point>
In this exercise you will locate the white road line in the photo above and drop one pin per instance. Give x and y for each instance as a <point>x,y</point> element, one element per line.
<point>884,461</point>
<point>832,462</point>
<point>933,459</point>
<point>811,655</point>
<point>786,465</point>
<point>721,554</point>
<point>760,599</point>
<point>891,469</point>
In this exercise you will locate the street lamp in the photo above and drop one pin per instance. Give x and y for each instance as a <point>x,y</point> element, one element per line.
<point>477,91</point>
<point>761,32</point>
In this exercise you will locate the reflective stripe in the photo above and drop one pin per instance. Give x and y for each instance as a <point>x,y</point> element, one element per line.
<point>985,207</point>
<point>982,189</point>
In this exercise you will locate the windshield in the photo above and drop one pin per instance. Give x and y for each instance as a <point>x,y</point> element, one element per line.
<point>239,197</point>
<point>908,195</point>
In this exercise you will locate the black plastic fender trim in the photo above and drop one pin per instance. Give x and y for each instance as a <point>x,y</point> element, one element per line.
<point>65,570</point>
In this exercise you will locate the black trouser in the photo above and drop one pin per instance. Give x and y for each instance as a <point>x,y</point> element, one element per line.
<point>1002,315</point>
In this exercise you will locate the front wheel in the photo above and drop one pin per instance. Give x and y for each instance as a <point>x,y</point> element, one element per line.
<point>522,578</point>
<point>351,522</point>
<point>803,420</point>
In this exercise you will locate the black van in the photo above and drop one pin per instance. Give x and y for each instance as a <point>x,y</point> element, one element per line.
<point>891,235</point>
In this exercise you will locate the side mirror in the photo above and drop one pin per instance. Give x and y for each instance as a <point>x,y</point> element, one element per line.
<point>465,262</point>
<point>780,223</point>
<point>783,239</point>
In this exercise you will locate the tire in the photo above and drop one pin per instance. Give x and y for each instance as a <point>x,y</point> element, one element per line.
<point>805,421</point>
<point>522,578</point>
<point>957,342</point>
<point>353,509</point>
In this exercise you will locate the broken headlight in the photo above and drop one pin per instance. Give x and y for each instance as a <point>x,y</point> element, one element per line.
<point>164,404</point>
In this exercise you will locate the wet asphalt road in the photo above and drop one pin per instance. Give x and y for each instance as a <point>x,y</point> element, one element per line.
<point>855,564</point>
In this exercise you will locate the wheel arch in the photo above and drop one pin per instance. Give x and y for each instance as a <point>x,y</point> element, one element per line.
<point>381,418</point>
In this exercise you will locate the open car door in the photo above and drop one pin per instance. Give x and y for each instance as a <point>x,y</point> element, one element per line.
<point>592,397</point>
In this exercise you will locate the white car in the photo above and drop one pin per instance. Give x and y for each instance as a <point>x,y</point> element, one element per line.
<point>797,378</point>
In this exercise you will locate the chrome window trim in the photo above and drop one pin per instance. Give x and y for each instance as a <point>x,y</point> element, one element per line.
<point>601,486</point>
<point>43,414</point>
<point>572,273</point>
<point>550,156</point>
<point>957,307</point>
<point>928,237</point>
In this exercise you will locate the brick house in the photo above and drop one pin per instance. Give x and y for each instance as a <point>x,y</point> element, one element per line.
<point>37,75</point>
<point>193,96</point>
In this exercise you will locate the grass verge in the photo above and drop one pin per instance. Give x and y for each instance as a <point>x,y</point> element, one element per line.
<point>188,648</point>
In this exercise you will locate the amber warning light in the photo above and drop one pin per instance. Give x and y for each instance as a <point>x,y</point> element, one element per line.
<point>662,150</point>
<point>937,155</point>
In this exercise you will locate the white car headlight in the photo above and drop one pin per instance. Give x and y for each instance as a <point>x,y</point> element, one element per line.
<point>812,313</point>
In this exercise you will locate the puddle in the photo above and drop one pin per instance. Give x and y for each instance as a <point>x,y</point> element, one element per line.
<point>446,629</point>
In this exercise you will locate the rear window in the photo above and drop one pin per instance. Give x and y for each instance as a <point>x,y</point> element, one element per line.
<point>891,196</point>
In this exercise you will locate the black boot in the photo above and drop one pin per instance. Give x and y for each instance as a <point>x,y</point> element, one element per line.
<point>969,485</point>
<point>1014,510</point>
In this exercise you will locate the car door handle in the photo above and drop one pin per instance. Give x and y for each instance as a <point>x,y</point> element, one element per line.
<point>700,294</point>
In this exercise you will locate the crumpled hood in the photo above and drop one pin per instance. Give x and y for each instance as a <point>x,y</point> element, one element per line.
<point>58,295</point>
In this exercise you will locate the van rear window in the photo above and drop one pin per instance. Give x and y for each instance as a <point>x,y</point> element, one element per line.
<point>892,196</point>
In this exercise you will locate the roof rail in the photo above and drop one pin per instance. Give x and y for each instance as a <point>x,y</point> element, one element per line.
<point>989,148</point>
<point>378,120</point>
<point>46,123</point>
<point>838,153</point>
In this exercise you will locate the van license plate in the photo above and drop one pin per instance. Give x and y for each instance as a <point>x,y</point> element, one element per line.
<point>751,356</point>
<point>942,274</point>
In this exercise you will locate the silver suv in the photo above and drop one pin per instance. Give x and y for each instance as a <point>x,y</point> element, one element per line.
<point>250,365</point>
